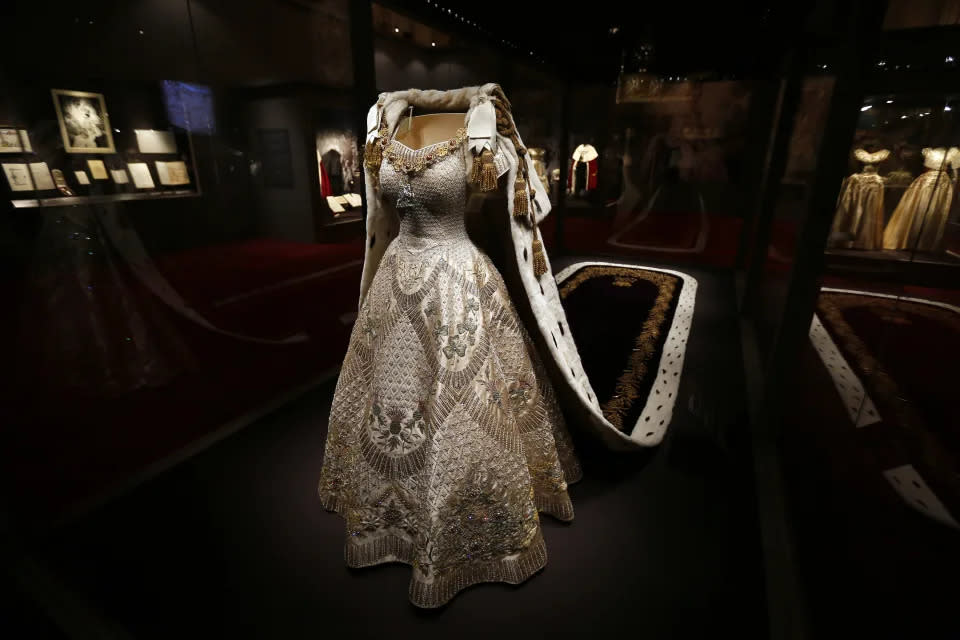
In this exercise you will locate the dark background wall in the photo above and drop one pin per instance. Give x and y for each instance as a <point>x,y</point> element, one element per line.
<point>230,47</point>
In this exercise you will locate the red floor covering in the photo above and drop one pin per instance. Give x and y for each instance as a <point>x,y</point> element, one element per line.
<point>67,449</point>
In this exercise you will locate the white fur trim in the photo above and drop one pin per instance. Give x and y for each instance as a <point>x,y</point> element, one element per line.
<point>876,157</point>
<point>373,122</point>
<point>658,410</point>
<point>856,400</point>
<point>940,158</point>
<point>585,153</point>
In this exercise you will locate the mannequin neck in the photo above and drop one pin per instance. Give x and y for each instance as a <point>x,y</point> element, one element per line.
<point>424,130</point>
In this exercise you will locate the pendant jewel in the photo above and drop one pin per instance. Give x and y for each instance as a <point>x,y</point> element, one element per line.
<point>406,197</point>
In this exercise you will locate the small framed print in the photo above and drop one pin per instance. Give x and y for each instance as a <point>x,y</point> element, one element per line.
<point>140,173</point>
<point>173,173</point>
<point>18,176</point>
<point>120,176</point>
<point>10,141</point>
<point>84,122</point>
<point>97,169</point>
<point>82,176</point>
<point>41,176</point>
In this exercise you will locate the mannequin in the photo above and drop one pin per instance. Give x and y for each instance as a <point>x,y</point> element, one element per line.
<point>583,171</point>
<point>858,222</point>
<point>538,156</point>
<point>920,219</point>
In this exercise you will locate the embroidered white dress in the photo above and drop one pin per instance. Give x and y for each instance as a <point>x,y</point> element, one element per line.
<point>445,438</point>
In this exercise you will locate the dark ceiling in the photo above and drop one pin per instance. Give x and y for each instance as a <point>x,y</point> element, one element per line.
<point>592,39</point>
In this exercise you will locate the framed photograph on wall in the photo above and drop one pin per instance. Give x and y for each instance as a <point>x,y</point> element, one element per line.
<point>84,123</point>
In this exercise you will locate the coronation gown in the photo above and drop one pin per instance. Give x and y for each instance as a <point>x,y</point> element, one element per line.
<point>445,439</point>
<point>920,219</point>
<point>860,211</point>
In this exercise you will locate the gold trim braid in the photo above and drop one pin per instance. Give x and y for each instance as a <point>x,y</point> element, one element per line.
<point>627,389</point>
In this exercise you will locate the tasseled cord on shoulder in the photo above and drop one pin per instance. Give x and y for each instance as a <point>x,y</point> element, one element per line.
<point>521,198</point>
<point>484,172</point>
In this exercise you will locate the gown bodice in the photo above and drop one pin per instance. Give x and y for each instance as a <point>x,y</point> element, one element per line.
<point>430,203</point>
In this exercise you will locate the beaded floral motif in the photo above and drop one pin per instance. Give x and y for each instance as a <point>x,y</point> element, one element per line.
<point>395,431</point>
<point>486,519</point>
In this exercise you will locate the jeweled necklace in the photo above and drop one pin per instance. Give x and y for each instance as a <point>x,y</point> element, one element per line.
<point>407,161</point>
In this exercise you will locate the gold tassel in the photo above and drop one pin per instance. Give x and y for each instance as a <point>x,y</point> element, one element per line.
<point>539,258</point>
<point>372,155</point>
<point>475,171</point>
<point>488,173</point>
<point>520,197</point>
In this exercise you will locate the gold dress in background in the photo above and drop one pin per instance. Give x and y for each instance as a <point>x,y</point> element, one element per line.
<point>920,218</point>
<point>860,210</point>
<point>445,438</point>
<point>538,155</point>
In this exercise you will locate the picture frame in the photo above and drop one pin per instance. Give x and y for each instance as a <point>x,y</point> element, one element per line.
<point>10,141</point>
<point>84,121</point>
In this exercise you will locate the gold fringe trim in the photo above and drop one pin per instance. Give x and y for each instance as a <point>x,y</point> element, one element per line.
<point>488,172</point>
<point>475,171</point>
<point>372,155</point>
<point>520,197</point>
<point>627,390</point>
<point>539,259</point>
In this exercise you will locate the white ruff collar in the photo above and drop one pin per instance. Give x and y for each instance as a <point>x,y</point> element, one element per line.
<point>871,158</point>
<point>585,153</point>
